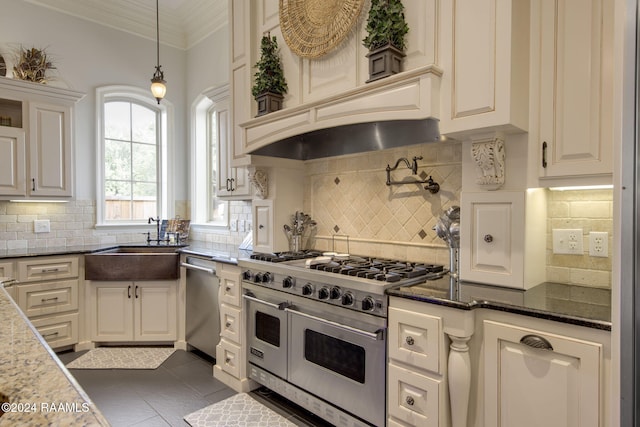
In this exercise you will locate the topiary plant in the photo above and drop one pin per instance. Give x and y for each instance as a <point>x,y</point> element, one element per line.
<point>386,25</point>
<point>269,77</point>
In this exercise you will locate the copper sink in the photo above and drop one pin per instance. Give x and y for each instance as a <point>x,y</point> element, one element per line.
<point>133,263</point>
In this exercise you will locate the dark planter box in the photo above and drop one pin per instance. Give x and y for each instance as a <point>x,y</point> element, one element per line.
<point>384,62</point>
<point>268,103</point>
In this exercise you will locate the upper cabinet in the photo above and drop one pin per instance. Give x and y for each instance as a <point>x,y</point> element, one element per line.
<point>484,51</point>
<point>572,88</point>
<point>232,182</point>
<point>36,140</point>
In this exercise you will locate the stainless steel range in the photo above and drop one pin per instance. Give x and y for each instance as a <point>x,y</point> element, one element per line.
<point>316,329</point>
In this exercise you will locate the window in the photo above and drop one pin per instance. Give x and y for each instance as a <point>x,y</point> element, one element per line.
<point>209,116</point>
<point>132,161</point>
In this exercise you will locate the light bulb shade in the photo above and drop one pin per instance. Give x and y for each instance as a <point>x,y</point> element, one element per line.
<point>158,87</point>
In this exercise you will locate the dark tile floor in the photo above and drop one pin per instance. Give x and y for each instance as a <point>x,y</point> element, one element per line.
<point>162,397</point>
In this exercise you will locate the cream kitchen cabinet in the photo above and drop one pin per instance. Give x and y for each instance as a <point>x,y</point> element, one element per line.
<point>502,238</point>
<point>37,152</point>
<point>232,182</point>
<point>537,377</point>
<point>429,369</point>
<point>48,293</point>
<point>133,311</point>
<point>571,86</point>
<point>6,269</point>
<point>231,360</point>
<point>484,51</point>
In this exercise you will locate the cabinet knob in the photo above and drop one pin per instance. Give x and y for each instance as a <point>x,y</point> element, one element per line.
<point>488,238</point>
<point>228,288</point>
<point>409,341</point>
<point>227,360</point>
<point>409,400</point>
<point>228,324</point>
<point>261,226</point>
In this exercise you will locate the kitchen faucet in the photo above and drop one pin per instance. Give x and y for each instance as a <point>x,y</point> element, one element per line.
<point>157,221</point>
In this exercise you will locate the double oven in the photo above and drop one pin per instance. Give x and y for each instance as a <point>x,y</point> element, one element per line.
<point>316,332</point>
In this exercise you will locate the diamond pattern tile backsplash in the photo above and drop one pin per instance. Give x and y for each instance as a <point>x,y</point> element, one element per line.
<point>348,196</point>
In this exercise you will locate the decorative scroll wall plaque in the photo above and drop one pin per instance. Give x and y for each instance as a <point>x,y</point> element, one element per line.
<point>489,157</point>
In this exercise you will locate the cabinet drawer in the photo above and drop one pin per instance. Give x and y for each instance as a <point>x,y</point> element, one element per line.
<point>415,339</point>
<point>229,288</point>
<point>6,269</point>
<point>231,323</point>
<point>229,357</point>
<point>38,269</point>
<point>413,398</point>
<point>48,298</point>
<point>58,331</point>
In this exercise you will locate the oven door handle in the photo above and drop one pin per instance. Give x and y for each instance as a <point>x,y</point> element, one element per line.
<point>280,306</point>
<point>376,336</point>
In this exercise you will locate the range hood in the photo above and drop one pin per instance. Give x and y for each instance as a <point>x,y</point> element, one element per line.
<point>392,112</point>
<point>353,138</point>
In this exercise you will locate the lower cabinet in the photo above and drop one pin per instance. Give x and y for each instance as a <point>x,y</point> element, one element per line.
<point>538,378</point>
<point>133,311</point>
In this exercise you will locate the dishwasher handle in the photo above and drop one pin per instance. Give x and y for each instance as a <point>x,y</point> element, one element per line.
<point>196,267</point>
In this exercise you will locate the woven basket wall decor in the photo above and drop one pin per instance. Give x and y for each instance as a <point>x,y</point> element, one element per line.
<point>312,28</point>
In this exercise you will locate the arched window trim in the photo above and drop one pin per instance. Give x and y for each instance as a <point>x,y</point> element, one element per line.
<point>165,110</point>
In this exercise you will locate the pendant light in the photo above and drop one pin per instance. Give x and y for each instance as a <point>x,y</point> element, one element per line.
<point>158,87</point>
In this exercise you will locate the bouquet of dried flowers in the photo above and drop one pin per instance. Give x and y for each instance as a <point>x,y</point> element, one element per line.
<point>32,65</point>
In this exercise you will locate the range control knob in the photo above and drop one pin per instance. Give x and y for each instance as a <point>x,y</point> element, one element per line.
<point>307,289</point>
<point>347,299</point>
<point>368,304</point>
<point>335,293</point>
<point>288,282</point>
<point>323,293</point>
<point>257,277</point>
<point>267,278</point>
<point>246,275</point>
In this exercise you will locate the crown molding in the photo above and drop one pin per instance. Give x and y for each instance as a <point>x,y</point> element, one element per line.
<point>183,23</point>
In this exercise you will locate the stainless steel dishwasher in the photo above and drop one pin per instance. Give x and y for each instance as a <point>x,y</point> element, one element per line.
<point>202,308</point>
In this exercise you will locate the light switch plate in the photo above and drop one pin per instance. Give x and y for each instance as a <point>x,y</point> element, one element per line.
<point>567,241</point>
<point>41,226</point>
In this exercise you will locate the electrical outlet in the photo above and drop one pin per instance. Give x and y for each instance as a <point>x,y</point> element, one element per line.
<point>41,226</point>
<point>599,243</point>
<point>241,225</point>
<point>234,225</point>
<point>567,241</point>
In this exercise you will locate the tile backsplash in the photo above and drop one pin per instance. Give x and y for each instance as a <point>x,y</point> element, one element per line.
<point>73,223</point>
<point>349,199</point>
<point>589,210</point>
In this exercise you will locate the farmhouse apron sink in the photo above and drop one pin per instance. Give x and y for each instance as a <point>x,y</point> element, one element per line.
<point>133,263</point>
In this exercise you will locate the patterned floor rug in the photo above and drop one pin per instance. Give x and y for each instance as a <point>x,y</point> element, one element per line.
<point>122,358</point>
<point>240,410</point>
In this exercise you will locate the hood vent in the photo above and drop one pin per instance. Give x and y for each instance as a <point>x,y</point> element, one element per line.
<point>353,138</point>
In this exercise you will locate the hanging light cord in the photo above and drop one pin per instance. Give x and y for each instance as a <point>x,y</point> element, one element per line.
<point>158,32</point>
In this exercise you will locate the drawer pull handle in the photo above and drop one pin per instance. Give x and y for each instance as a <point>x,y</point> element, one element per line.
<point>488,238</point>
<point>136,291</point>
<point>49,299</point>
<point>51,334</point>
<point>544,154</point>
<point>50,270</point>
<point>410,341</point>
<point>129,291</point>
<point>536,341</point>
<point>409,400</point>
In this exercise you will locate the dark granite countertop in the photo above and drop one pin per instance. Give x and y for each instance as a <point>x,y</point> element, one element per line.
<point>579,305</point>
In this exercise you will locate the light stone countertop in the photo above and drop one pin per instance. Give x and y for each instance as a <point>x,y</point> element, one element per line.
<point>40,390</point>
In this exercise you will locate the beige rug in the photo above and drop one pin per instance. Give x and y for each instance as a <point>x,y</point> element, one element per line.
<point>240,410</point>
<point>122,358</point>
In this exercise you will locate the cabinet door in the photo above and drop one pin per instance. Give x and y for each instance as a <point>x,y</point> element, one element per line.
<point>530,387</point>
<point>50,150</point>
<point>575,81</point>
<point>229,292</point>
<point>48,297</point>
<point>231,324</point>
<point>6,270</point>
<point>155,311</point>
<point>413,398</point>
<point>58,331</point>
<point>492,238</point>
<point>42,268</point>
<point>262,232</point>
<point>111,311</point>
<point>13,161</point>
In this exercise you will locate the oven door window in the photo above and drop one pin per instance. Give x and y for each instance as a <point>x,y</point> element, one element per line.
<point>339,356</point>
<point>267,328</point>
